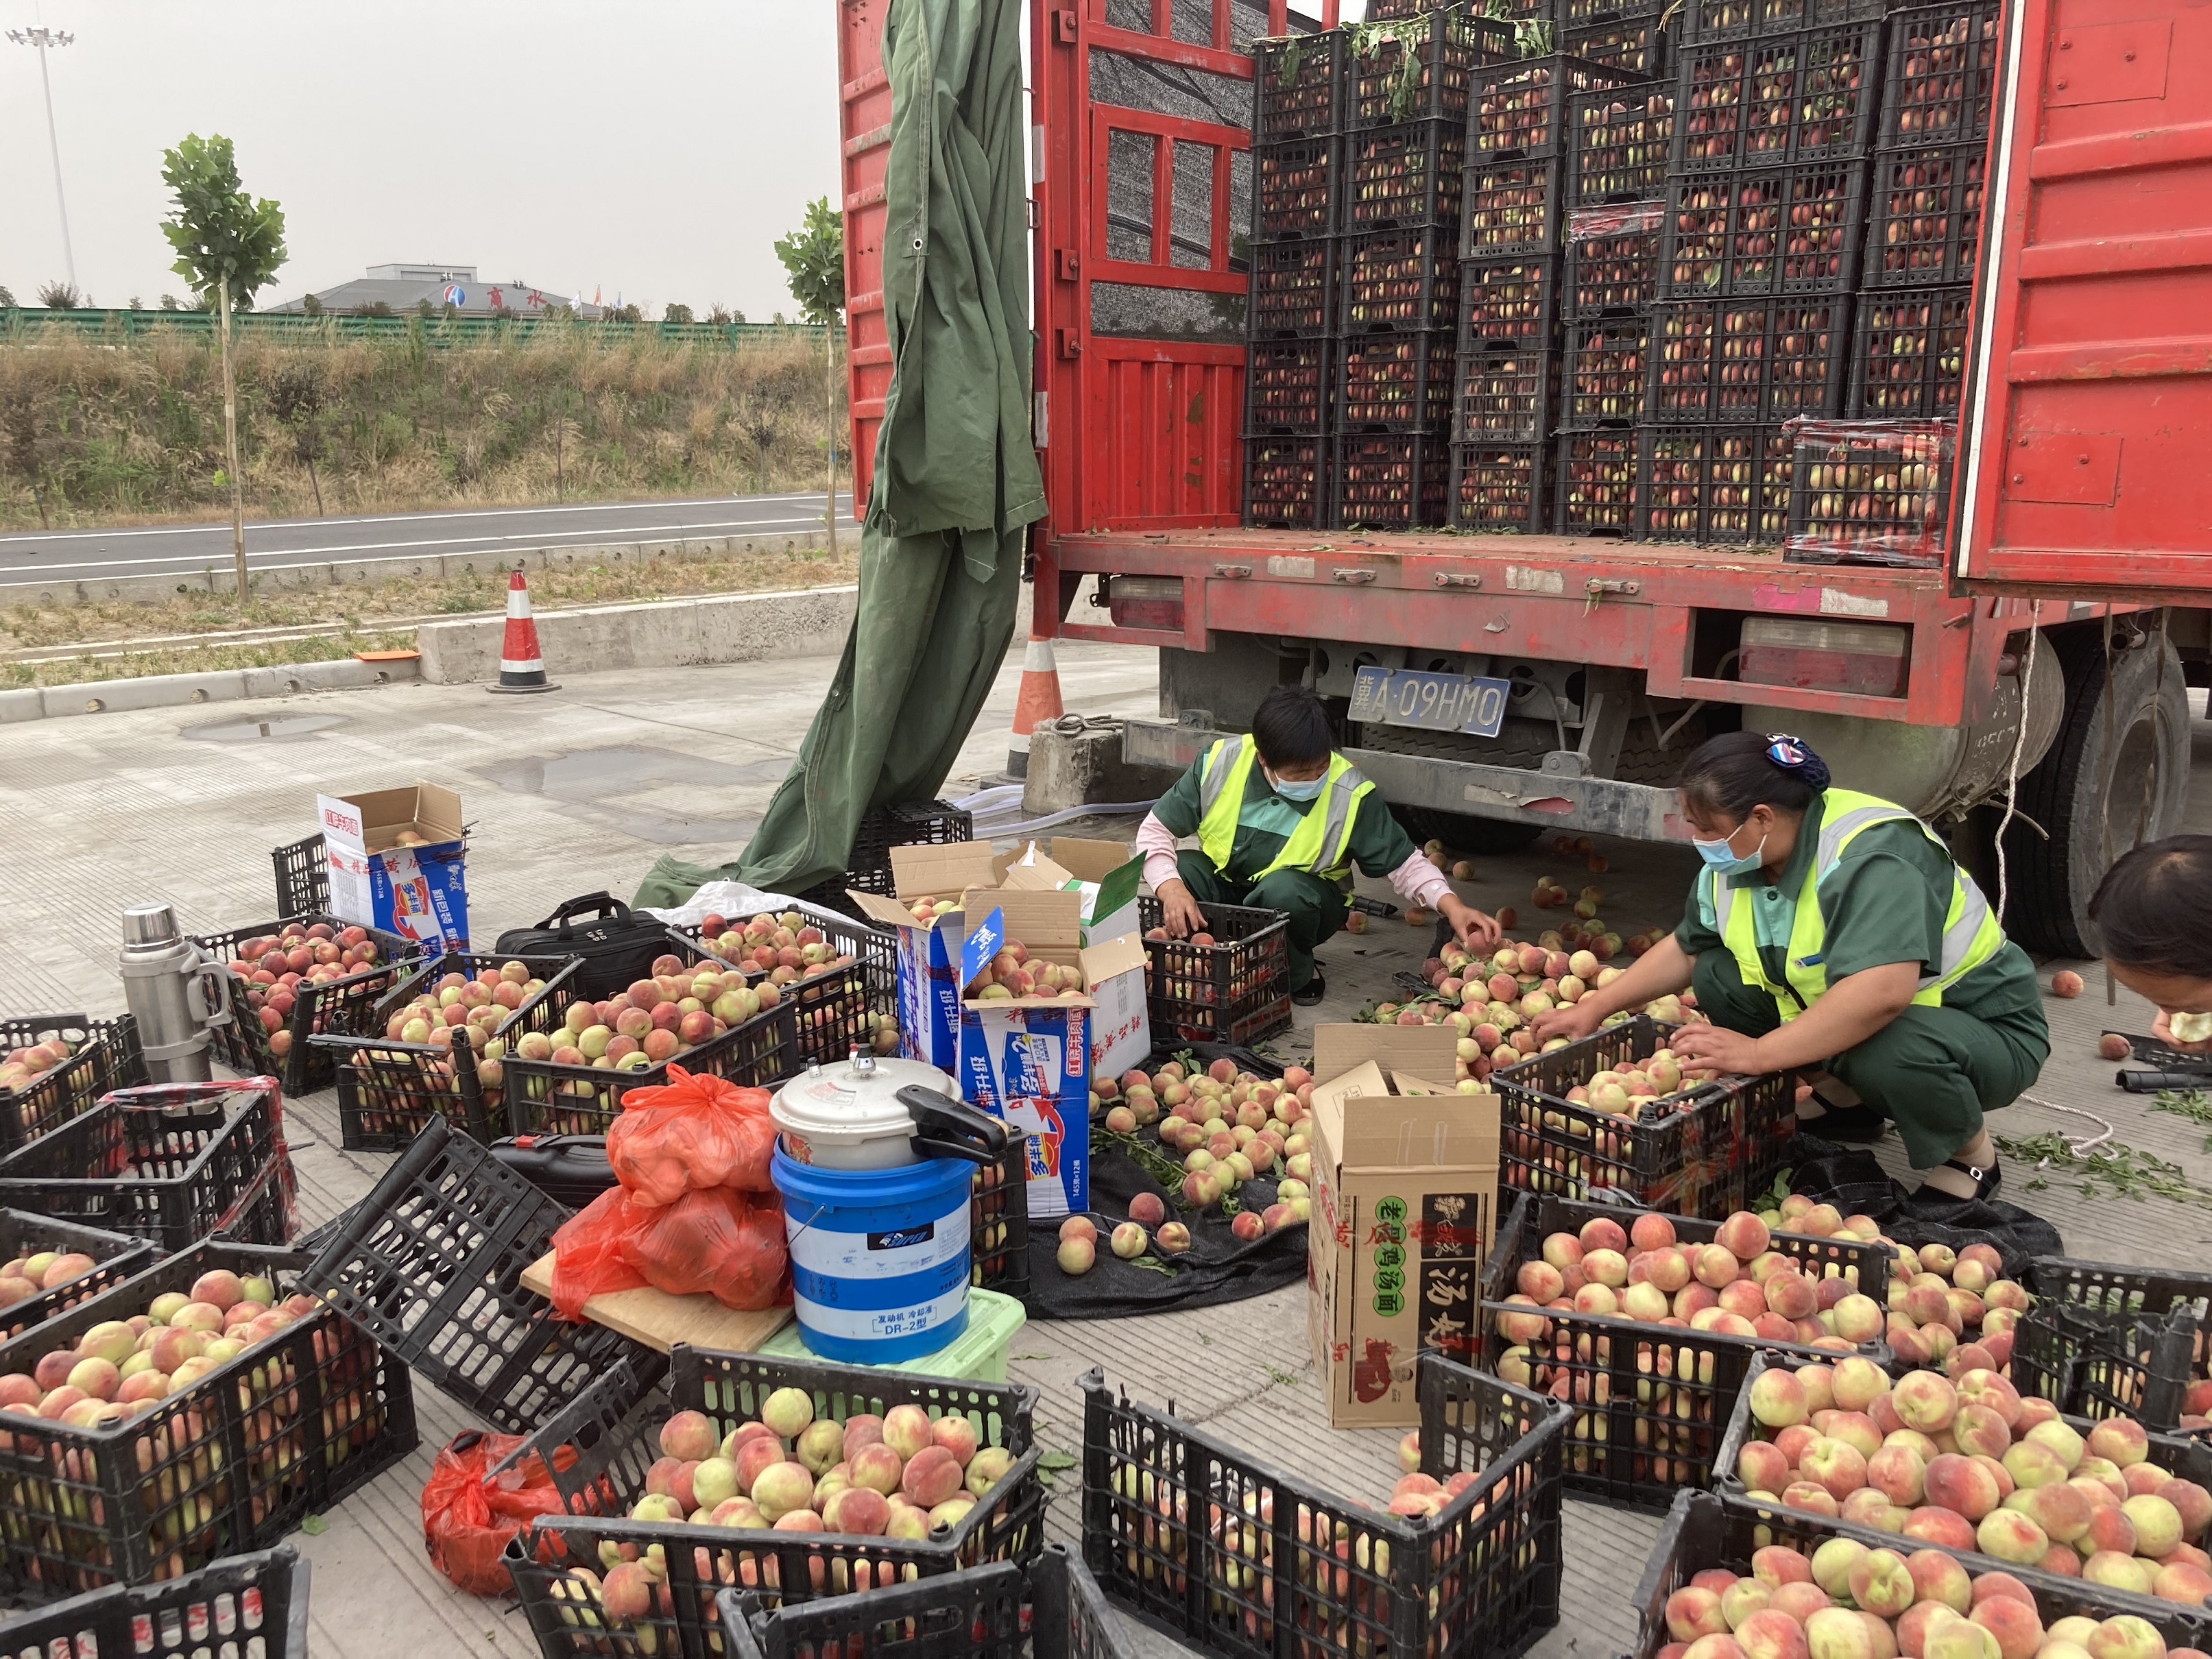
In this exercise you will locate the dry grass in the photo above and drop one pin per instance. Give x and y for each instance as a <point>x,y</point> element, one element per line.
<point>113,434</point>
<point>385,613</point>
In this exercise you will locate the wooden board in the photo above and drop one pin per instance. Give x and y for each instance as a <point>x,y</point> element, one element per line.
<point>661,1320</point>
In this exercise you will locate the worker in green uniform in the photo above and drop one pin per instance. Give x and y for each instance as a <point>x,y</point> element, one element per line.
<point>2154,910</point>
<point>1829,933</point>
<point>1280,819</point>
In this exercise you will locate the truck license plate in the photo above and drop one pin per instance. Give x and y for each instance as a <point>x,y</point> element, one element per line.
<point>1436,702</point>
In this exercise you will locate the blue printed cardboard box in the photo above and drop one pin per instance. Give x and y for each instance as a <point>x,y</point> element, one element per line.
<point>398,860</point>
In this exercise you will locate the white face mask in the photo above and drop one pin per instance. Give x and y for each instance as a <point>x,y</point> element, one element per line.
<point>1289,791</point>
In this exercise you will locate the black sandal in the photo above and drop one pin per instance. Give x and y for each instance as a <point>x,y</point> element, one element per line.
<point>1933,1203</point>
<point>1854,1125</point>
<point>1312,992</point>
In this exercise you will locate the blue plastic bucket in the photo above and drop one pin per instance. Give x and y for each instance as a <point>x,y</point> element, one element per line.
<point>880,1258</point>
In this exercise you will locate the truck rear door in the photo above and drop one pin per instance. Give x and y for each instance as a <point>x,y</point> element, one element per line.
<point>2091,395</point>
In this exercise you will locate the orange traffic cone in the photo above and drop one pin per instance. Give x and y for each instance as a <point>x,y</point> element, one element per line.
<point>1038,704</point>
<point>520,667</point>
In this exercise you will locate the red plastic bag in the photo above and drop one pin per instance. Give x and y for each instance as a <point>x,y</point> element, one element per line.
<point>691,1134</point>
<point>719,1241</point>
<point>467,1520</point>
<point>587,1257</point>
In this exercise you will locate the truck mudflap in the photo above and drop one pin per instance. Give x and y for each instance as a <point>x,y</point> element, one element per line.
<point>1556,796</point>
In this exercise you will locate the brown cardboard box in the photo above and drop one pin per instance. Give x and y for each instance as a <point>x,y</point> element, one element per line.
<point>1405,1202</point>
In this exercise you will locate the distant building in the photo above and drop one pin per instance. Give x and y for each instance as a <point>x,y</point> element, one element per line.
<point>403,288</point>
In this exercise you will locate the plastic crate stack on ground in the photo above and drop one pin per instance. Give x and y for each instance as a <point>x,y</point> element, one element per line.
<point>1297,94</point>
<point>1411,90</point>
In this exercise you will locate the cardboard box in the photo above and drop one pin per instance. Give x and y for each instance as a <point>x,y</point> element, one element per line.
<point>1113,958</point>
<point>1405,1205</point>
<point>419,891</point>
<point>929,952</point>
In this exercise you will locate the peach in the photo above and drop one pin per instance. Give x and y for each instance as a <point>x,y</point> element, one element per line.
<point>2126,1636</point>
<point>1605,1266</point>
<point>1646,1301</point>
<point>1858,1318</point>
<point>1926,1401</point>
<point>1743,1298</point>
<point>763,1451</point>
<point>1792,1295</point>
<point>1839,1633</point>
<point>2156,1522</point>
<point>2182,1582</point>
<point>1079,1226</point>
<point>1077,1256</point>
<point>1899,1473</point>
<point>2111,1532</point>
<point>1777,1398</point>
<point>1539,1281</point>
<point>1768,1634</point>
<point>782,1488</point>
<point>1714,1646</point>
<point>219,1287</point>
<point>2063,1559</point>
<point>2008,1535</point>
<point>1881,1583</point>
<point>956,1434</point>
<point>2136,1478</point>
<point>2061,1512</point>
<point>1939,1577</point>
<point>1743,1234</point>
<point>1982,1386</point>
<point>907,1430</point>
<point>1836,1465</point>
<point>2192,1502</point>
<point>1856,1430</point>
<point>1714,1266</point>
<point>1651,1232</point>
<point>2016,1624</point>
<point>858,1509</point>
<point>1799,1601</point>
<point>1668,1268</point>
<point>1870,1506</point>
<point>1777,1564</point>
<point>1980,1432</point>
<point>2061,1440</point>
<point>1913,1628</point>
<point>1761,1467</point>
<point>932,1476</point>
<point>1741,1600</point>
<point>1856,1380</point>
<point>689,1437</point>
<point>1810,1496</point>
<point>1692,1612</point>
<point>1932,1524</point>
<point>2122,1572</point>
<point>877,1467</point>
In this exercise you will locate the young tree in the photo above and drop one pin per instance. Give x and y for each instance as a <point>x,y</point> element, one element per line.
<point>59,296</point>
<point>295,398</point>
<point>677,312</point>
<point>229,245</point>
<point>814,257</point>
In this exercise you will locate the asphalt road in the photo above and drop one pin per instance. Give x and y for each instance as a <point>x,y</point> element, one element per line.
<point>161,550</point>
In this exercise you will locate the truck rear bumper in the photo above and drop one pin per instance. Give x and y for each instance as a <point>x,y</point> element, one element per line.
<point>1639,811</point>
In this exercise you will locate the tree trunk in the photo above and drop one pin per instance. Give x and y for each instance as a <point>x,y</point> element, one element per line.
<point>829,427</point>
<point>230,437</point>
<point>39,496</point>
<point>310,458</point>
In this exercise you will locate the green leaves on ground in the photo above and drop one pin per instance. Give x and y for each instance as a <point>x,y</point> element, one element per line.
<point>2113,1168</point>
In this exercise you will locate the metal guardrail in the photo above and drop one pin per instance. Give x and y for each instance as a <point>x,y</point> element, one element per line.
<point>21,324</point>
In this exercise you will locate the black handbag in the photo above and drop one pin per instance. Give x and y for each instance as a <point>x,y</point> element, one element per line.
<point>616,946</point>
<point>571,1169</point>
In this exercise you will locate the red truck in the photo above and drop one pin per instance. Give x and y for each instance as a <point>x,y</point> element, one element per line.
<point>2081,533</point>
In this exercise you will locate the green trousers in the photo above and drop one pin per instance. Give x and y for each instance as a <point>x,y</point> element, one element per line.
<point>1931,1071</point>
<point>1314,907</point>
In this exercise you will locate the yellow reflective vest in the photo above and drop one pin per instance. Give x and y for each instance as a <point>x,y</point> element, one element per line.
<point>1972,934</point>
<point>1322,844</point>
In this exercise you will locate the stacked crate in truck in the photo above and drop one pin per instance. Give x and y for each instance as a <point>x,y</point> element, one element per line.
<point>1775,105</point>
<point>1409,87</point>
<point>1297,91</point>
<point>1518,185</point>
<point>1872,489</point>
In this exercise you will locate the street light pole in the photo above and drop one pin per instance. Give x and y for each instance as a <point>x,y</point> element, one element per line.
<point>42,38</point>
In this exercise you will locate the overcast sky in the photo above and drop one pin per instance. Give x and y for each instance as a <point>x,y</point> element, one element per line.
<point>656,148</point>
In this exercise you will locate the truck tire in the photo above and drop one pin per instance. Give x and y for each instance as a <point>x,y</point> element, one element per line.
<point>2082,788</point>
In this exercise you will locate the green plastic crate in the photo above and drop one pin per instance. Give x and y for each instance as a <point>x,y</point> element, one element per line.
<point>978,1354</point>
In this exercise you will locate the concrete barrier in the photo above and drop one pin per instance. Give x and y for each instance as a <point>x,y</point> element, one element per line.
<point>659,634</point>
<point>363,572</point>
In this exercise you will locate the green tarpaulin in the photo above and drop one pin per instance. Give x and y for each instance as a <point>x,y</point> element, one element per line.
<point>956,474</point>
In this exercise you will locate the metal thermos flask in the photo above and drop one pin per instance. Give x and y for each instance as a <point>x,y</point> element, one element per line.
<point>174,992</point>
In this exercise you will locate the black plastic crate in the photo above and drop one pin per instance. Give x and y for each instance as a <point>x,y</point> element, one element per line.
<point>1776,230</point>
<point>1607,363</point>
<point>105,1056</point>
<point>998,1222</point>
<point>1637,1445</point>
<point>1738,19</point>
<point>1501,487</point>
<point>1513,301</point>
<point>1635,40</point>
<point>1237,989</point>
<point>1703,1532</point>
<point>617,1433</point>
<point>1529,10</point>
<point>226,1464</point>
<point>1421,70</point>
<point>1622,137</point>
<point>543,1099</point>
<point>1393,382</point>
<point>1296,1569</point>
<point>1286,482</point>
<point>1714,483</point>
<point>1776,100</point>
<point>431,1264</point>
<point>303,878</point>
<point>1294,189</point>
<point>389,1088</point>
<point>171,1162</point>
<point>248,1045</point>
<point>1593,484</point>
<point>874,948</point>
<point>1293,288</point>
<point>253,1604</point>
<point>115,1257</point>
<point>1706,1158</point>
<point>1286,385</point>
<point>2106,1340</point>
<point>902,823</point>
<point>1403,177</point>
<point>1926,224</point>
<point>1748,362</point>
<point>1397,280</point>
<point>1389,480</point>
<point>1521,108</point>
<point>1052,1608</point>
<point>1511,208</point>
<point>1506,395</point>
<point>1944,67</point>
<point>1613,260</point>
<point>1909,355</point>
<point>1297,87</point>
<point>1870,492</point>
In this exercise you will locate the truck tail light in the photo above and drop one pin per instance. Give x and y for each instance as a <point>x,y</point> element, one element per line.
<point>1868,659</point>
<point>1154,602</point>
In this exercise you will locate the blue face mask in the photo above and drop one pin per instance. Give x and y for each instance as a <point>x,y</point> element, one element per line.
<point>1722,859</point>
<point>1290,791</point>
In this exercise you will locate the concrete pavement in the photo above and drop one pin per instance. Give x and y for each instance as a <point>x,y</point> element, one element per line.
<point>277,544</point>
